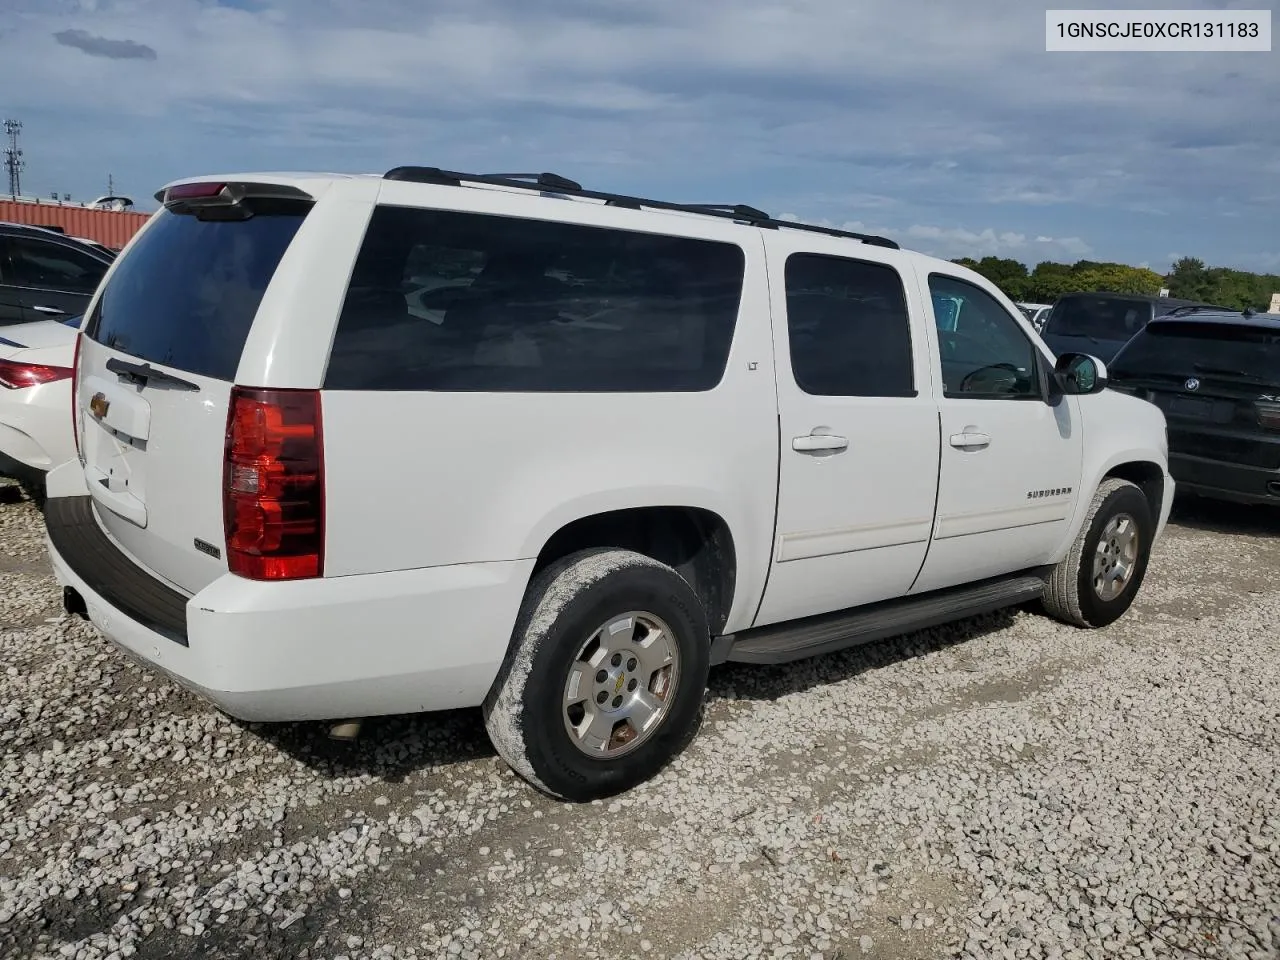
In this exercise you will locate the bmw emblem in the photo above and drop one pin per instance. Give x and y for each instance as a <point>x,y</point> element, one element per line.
<point>1192,384</point>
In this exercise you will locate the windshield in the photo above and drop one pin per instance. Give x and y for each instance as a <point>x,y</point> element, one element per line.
<point>1211,350</point>
<point>1104,318</point>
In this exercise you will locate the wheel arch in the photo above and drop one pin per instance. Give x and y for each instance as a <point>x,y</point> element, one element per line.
<point>695,541</point>
<point>1142,467</point>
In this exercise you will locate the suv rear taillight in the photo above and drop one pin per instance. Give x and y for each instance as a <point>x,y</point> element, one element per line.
<point>1268,414</point>
<point>273,484</point>
<point>16,376</point>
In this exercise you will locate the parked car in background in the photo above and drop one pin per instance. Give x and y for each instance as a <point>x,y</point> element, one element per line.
<point>1102,323</point>
<point>1035,313</point>
<point>1216,376</point>
<point>35,397</point>
<point>564,450</point>
<point>46,275</point>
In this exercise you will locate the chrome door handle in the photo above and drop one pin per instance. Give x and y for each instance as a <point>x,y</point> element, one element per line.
<point>970,441</point>
<point>52,311</point>
<point>815,442</point>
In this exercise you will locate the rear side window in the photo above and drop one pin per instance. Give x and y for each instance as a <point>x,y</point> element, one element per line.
<point>450,301</point>
<point>44,265</point>
<point>1223,351</point>
<point>848,328</point>
<point>186,294</point>
<point>1106,318</point>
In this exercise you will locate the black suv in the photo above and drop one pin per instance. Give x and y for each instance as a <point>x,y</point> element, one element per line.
<point>1216,376</point>
<point>1101,323</point>
<point>45,275</point>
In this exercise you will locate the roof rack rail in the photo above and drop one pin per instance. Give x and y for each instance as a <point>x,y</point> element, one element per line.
<point>1194,308</point>
<point>738,212</point>
<point>552,181</point>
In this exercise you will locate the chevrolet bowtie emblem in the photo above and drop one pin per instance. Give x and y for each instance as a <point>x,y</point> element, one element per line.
<point>99,405</point>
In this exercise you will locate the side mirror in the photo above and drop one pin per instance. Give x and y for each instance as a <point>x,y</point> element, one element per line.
<point>1079,374</point>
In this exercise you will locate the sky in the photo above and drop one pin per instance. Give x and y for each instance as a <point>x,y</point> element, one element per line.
<point>944,125</point>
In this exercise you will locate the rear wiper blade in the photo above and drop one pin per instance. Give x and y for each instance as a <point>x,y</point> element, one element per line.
<point>1244,375</point>
<point>144,373</point>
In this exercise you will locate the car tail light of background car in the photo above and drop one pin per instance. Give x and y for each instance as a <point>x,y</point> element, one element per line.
<point>1268,414</point>
<point>273,484</point>
<point>17,376</point>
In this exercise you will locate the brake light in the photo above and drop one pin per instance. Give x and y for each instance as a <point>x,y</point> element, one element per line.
<point>1268,414</point>
<point>16,376</point>
<point>75,383</point>
<point>273,484</point>
<point>193,191</point>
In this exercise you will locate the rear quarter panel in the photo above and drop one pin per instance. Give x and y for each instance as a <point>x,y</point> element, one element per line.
<point>419,479</point>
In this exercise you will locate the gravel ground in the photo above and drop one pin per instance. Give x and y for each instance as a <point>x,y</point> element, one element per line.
<point>1006,787</point>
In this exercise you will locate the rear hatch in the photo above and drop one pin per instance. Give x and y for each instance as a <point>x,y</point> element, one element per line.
<point>1218,384</point>
<point>158,359</point>
<point>1094,324</point>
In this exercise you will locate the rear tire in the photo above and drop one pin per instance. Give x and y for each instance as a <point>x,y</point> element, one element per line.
<point>605,678</point>
<point>1096,582</point>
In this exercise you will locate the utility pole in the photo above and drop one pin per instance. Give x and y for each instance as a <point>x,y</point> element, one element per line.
<point>13,157</point>
<point>111,186</point>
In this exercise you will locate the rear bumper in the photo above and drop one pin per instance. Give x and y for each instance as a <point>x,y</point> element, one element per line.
<point>330,648</point>
<point>10,467</point>
<point>1225,481</point>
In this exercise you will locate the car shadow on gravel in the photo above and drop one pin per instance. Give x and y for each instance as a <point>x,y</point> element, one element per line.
<point>744,681</point>
<point>394,748</point>
<point>390,748</point>
<point>1220,516</point>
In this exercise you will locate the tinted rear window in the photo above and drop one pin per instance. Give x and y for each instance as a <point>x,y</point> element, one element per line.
<point>451,301</point>
<point>1221,350</point>
<point>185,296</point>
<point>1106,318</point>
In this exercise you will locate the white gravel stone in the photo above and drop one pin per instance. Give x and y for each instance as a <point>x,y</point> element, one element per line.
<point>1007,787</point>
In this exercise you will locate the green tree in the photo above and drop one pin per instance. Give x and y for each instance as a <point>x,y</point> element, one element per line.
<point>1008,274</point>
<point>1049,281</point>
<point>1189,280</point>
<point>1116,278</point>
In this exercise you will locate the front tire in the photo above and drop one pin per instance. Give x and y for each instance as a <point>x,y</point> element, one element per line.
<point>1096,582</point>
<point>605,678</point>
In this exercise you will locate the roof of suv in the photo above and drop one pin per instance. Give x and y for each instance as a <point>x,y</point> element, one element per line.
<point>553,187</point>
<point>544,184</point>
<point>1262,321</point>
<point>42,233</point>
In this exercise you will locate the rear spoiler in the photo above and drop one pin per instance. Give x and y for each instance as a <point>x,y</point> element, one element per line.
<point>214,199</point>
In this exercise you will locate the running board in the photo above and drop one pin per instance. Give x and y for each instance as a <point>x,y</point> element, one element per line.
<point>813,636</point>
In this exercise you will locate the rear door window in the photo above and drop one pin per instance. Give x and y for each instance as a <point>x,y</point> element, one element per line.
<point>450,301</point>
<point>45,265</point>
<point>186,294</point>
<point>848,328</point>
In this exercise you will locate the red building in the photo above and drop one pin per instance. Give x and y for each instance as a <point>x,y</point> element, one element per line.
<point>111,228</point>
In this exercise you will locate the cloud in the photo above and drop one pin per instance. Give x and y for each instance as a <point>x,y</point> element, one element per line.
<point>102,47</point>
<point>950,121</point>
<point>952,242</point>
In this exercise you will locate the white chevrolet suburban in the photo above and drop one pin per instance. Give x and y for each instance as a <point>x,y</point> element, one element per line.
<point>350,446</point>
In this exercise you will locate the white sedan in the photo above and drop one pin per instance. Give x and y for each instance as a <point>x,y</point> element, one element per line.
<point>35,396</point>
